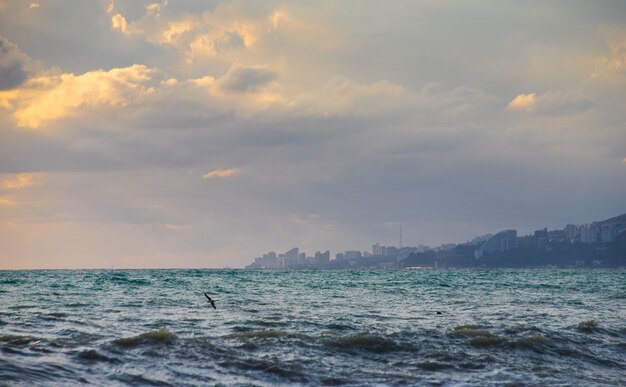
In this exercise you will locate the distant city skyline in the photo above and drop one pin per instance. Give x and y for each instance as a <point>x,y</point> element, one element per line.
<point>197,134</point>
<point>605,231</point>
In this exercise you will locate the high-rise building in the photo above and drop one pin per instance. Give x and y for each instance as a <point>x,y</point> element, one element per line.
<point>571,232</point>
<point>302,259</point>
<point>588,234</point>
<point>541,238</point>
<point>502,241</point>
<point>608,232</point>
<point>322,259</point>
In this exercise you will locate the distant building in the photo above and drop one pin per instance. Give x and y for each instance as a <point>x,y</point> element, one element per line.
<point>423,248</point>
<point>404,252</point>
<point>445,247</point>
<point>502,241</point>
<point>266,261</point>
<point>571,232</point>
<point>588,234</point>
<point>541,238</point>
<point>608,232</point>
<point>352,255</point>
<point>322,259</point>
<point>302,259</point>
<point>390,251</point>
<point>377,250</point>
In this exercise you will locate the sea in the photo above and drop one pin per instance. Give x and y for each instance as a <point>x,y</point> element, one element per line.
<point>438,327</point>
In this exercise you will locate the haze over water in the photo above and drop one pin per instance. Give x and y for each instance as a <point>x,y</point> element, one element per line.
<point>154,327</point>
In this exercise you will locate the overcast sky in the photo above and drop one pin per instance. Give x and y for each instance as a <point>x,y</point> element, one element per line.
<point>205,133</point>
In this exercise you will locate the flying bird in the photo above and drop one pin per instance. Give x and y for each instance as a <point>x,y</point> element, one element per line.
<point>210,300</point>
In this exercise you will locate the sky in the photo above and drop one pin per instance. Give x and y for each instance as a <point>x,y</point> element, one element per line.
<point>190,133</point>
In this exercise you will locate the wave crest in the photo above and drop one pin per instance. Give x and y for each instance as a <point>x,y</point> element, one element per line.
<point>162,336</point>
<point>363,341</point>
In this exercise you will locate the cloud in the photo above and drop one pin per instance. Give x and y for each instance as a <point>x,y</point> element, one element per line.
<point>241,79</point>
<point>118,22</point>
<point>552,103</point>
<point>221,173</point>
<point>613,63</point>
<point>523,102</point>
<point>341,96</point>
<point>153,9</point>
<point>13,65</point>
<point>50,97</point>
<point>20,180</point>
<point>6,201</point>
<point>230,32</point>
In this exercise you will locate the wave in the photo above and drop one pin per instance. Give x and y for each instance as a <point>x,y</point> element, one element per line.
<point>19,341</point>
<point>162,336</point>
<point>76,305</point>
<point>338,327</point>
<point>12,281</point>
<point>91,355</point>
<point>537,342</point>
<point>470,331</point>
<point>486,341</point>
<point>269,370</point>
<point>478,337</point>
<point>363,341</point>
<point>139,380</point>
<point>57,315</point>
<point>20,307</point>
<point>123,278</point>
<point>587,326</point>
<point>257,334</point>
<point>521,329</point>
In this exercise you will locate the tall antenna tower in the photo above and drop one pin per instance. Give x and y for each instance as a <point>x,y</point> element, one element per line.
<point>400,234</point>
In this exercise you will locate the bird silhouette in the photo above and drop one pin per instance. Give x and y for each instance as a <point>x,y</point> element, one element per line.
<point>210,300</point>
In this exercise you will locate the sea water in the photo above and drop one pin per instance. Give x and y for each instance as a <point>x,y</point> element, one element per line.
<point>392,327</point>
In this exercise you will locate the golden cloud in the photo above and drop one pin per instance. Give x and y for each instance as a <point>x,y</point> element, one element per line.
<point>225,32</point>
<point>153,9</point>
<point>524,102</point>
<point>221,173</point>
<point>51,97</point>
<point>118,22</point>
<point>5,201</point>
<point>20,180</point>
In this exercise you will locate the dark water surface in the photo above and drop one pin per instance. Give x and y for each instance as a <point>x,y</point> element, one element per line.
<point>154,327</point>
